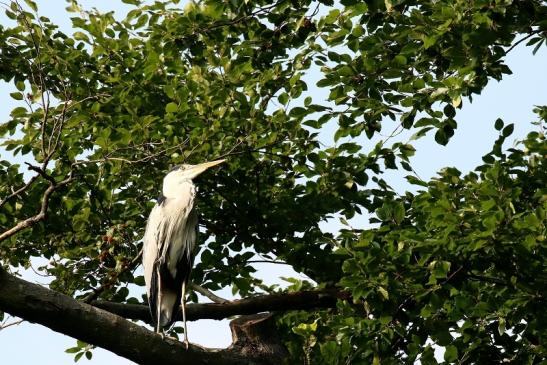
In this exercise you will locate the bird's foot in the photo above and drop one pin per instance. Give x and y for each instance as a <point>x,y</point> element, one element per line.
<point>167,337</point>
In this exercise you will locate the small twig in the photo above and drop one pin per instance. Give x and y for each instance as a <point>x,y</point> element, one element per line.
<point>57,131</point>
<point>488,279</point>
<point>144,159</point>
<point>220,24</point>
<point>231,150</point>
<point>73,104</point>
<point>41,172</point>
<point>14,323</point>
<point>19,191</point>
<point>38,273</point>
<point>416,174</point>
<point>207,293</point>
<point>45,106</point>
<point>452,275</point>
<point>315,11</point>
<point>522,40</point>
<point>266,262</point>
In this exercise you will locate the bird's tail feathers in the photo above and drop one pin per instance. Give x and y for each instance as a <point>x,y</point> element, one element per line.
<point>168,303</point>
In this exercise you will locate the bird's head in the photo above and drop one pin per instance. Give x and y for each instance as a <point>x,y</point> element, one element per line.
<point>185,172</point>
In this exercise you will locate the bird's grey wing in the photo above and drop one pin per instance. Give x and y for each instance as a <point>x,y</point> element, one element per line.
<point>185,260</point>
<point>152,247</point>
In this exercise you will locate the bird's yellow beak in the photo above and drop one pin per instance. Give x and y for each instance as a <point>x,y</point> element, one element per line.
<point>198,169</point>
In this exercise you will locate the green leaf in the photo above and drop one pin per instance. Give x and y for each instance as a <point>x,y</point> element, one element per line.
<point>401,60</point>
<point>415,180</point>
<point>80,36</point>
<point>283,98</point>
<point>441,137</point>
<point>95,107</point>
<point>171,107</point>
<point>488,204</point>
<point>305,329</point>
<point>508,130</point>
<point>16,96</point>
<point>429,41</point>
<point>139,280</point>
<point>398,212</point>
<point>19,112</point>
<point>32,5</point>
<point>501,326</point>
<point>384,212</point>
<point>298,112</point>
<point>384,293</point>
<point>451,353</point>
<point>498,124</point>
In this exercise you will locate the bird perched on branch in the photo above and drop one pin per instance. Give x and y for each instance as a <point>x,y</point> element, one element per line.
<point>169,242</point>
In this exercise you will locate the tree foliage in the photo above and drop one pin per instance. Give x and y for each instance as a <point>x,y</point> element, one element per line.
<point>105,111</point>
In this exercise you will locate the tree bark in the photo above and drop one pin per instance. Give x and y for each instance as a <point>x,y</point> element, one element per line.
<point>254,338</point>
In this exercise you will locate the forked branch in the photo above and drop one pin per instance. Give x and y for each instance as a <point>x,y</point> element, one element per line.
<point>42,214</point>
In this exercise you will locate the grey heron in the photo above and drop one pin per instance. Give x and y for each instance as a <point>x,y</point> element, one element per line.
<point>169,242</point>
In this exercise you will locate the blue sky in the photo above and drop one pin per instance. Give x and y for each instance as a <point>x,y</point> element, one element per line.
<point>511,99</point>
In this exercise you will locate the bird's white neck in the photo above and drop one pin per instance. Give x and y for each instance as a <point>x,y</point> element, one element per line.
<point>175,186</point>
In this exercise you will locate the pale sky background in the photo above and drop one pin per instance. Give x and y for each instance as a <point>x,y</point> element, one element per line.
<point>511,99</point>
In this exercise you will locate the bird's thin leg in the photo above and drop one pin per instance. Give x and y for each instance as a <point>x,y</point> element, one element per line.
<point>158,304</point>
<point>183,305</point>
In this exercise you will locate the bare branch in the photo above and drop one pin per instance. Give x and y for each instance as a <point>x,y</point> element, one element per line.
<point>242,18</point>
<point>266,262</point>
<point>262,303</point>
<point>108,157</point>
<point>522,40</point>
<point>56,132</point>
<point>41,172</point>
<point>72,104</point>
<point>19,191</point>
<point>41,215</point>
<point>14,323</point>
<point>45,108</point>
<point>207,293</point>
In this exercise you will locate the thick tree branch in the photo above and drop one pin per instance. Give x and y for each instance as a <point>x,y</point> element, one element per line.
<point>263,303</point>
<point>63,314</point>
